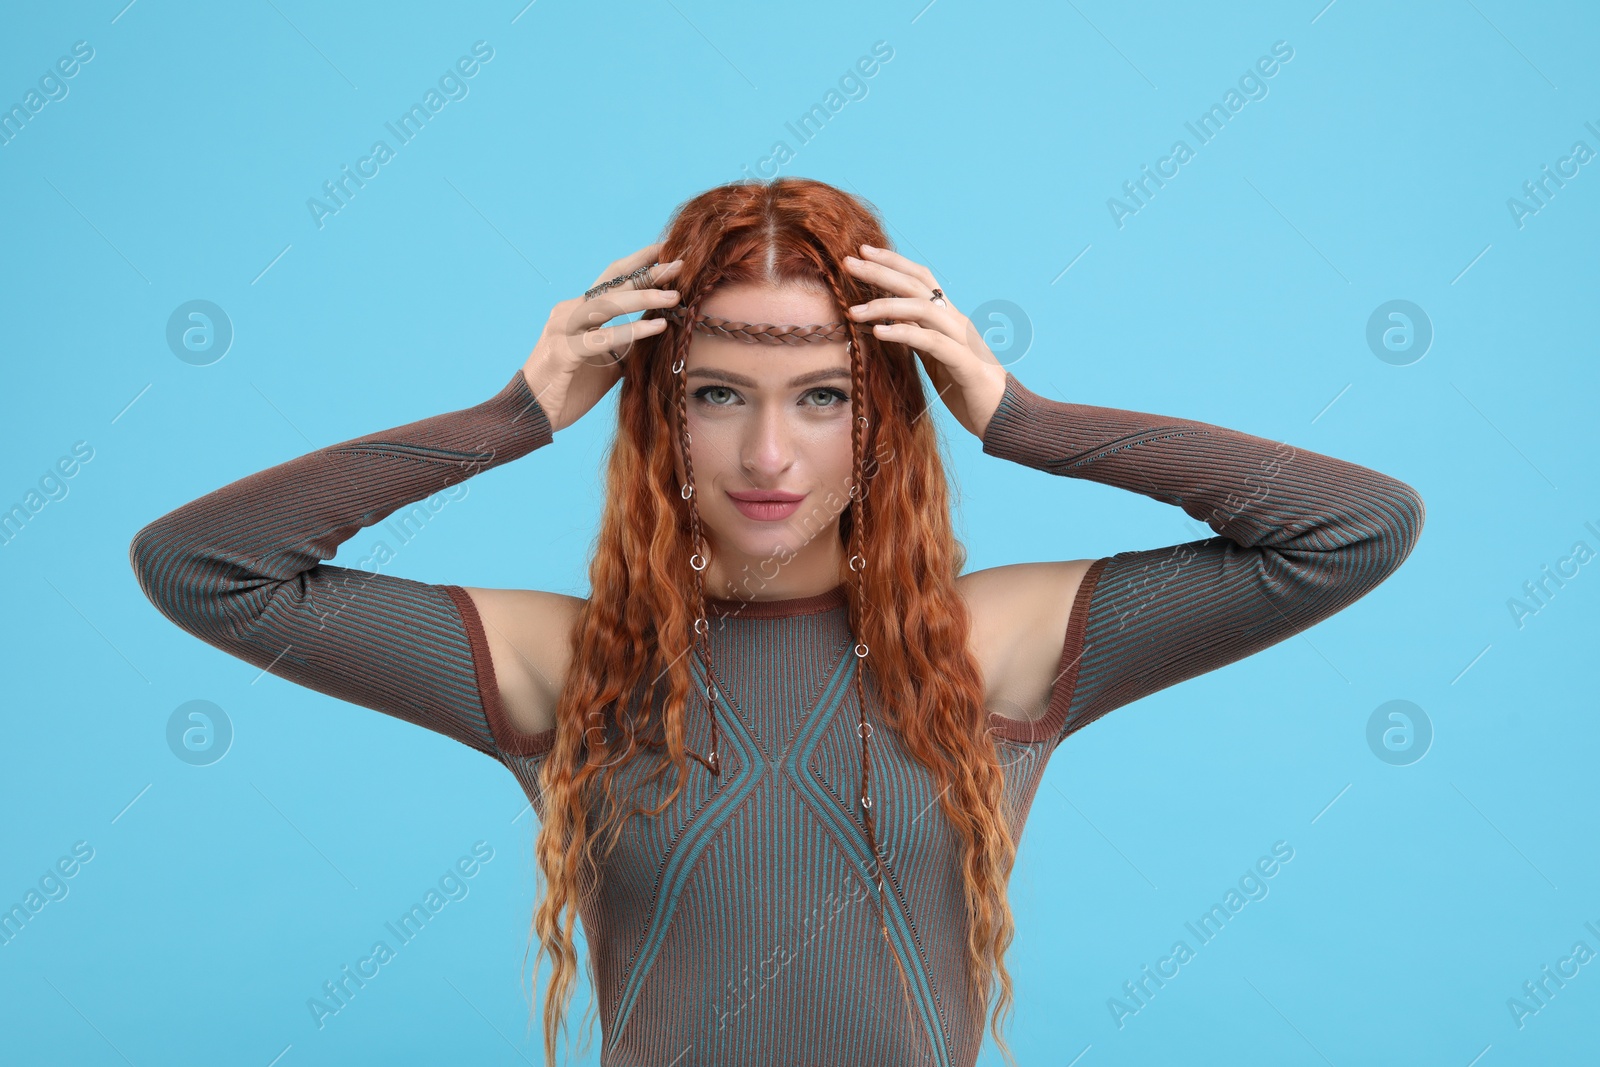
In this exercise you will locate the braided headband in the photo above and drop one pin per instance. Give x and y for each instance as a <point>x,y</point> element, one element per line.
<point>765,332</point>
<point>752,332</point>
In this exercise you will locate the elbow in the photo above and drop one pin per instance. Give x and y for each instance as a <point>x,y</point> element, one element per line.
<point>201,588</point>
<point>1405,515</point>
<point>151,556</point>
<point>170,573</point>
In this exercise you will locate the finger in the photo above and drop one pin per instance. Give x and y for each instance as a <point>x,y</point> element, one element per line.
<point>609,344</point>
<point>652,277</point>
<point>900,263</point>
<point>631,262</point>
<point>917,309</point>
<point>945,349</point>
<point>603,307</point>
<point>658,273</point>
<point>887,277</point>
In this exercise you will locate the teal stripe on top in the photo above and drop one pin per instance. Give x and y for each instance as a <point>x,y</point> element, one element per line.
<point>696,837</point>
<point>851,838</point>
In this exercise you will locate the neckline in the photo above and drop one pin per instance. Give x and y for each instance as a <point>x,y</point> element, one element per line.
<point>779,609</point>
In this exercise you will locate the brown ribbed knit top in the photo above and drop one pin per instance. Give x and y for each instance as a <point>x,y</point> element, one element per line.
<point>739,926</point>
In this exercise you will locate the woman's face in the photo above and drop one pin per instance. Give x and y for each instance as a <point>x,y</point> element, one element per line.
<point>769,420</point>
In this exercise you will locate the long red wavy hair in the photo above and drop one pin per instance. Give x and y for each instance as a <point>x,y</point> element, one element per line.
<point>903,603</point>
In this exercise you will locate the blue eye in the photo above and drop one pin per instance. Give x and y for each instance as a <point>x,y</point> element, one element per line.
<point>700,394</point>
<point>839,397</point>
<point>842,397</point>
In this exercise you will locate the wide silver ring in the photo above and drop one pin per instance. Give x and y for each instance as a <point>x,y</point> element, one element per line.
<point>612,283</point>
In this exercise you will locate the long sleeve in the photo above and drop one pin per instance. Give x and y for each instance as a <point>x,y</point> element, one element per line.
<point>241,568</point>
<point>1302,535</point>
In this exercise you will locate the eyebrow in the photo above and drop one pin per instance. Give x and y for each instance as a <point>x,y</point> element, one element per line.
<point>828,375</point>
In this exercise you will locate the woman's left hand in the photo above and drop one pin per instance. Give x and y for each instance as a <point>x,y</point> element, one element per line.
<point>966,374</point>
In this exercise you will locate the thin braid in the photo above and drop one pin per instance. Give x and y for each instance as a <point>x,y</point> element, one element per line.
<point>763,332</point>
<point>702,628</point>
<point>767,333</point>
<point>858,569</point>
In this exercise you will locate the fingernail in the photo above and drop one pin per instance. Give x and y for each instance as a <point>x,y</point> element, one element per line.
<point>851,259</point>
<point>869,248</point>
<point>858,308</point>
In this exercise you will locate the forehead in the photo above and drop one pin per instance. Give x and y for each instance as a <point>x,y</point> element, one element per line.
<point>769,363</point>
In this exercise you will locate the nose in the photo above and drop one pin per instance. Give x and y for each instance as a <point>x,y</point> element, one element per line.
<point>768,445</point>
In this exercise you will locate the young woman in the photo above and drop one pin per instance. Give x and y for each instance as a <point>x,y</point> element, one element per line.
<point>782,754</point>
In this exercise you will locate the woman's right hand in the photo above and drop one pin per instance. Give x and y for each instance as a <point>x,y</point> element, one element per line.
<point>578,358</point>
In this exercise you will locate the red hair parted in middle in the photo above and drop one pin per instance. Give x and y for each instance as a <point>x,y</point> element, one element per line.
<point>645,597</point>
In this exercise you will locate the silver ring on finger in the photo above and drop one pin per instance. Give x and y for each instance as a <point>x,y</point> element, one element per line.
<point>641,278</point>
<point>632,277</point>
<point>609,283</point>
<point>938,298</point>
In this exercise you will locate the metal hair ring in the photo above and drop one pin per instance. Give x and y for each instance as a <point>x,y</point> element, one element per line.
<point>677,366</point>
<point>854,559</point>
<point>861,650</point>
<point>866,802</point>
<point>861,735</point>
<point>687,491</point>
<point>697,566</point>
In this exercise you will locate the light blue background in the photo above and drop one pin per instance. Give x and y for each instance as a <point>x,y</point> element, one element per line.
<point>1378,166</point>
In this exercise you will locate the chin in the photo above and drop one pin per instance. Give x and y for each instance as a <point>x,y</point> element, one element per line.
<point>778,541</point>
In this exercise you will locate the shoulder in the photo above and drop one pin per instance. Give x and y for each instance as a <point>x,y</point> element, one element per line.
<point>1019,615</point>
<point>529,636</point>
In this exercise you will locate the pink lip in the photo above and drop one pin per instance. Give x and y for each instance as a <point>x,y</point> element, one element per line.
<point>768,510</point>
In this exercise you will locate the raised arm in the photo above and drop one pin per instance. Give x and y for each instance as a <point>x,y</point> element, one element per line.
<point>1302,535</point>
<point>241,569</point>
